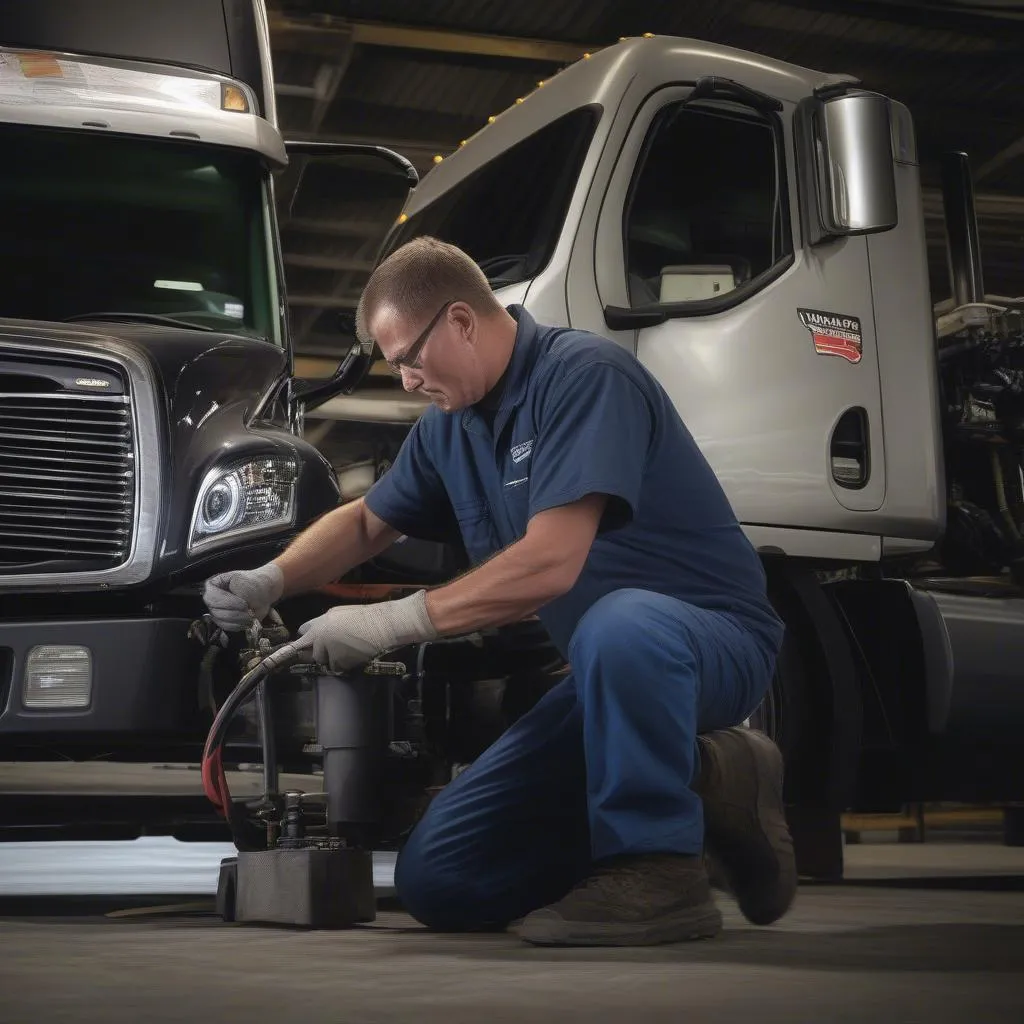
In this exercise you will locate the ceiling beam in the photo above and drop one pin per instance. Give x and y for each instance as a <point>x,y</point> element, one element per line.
<point>344,301</point>
<point>987,204</point>
<point>326,262</point>
<point>1005,156</point>
<point>321,34</point>
<point>348,228</point>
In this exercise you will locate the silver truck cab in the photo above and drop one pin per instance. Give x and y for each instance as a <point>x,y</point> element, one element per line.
<point>753,232</point>
<point>681,234</point>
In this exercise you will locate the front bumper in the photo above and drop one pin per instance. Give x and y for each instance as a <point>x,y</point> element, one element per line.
<point>144,676</point>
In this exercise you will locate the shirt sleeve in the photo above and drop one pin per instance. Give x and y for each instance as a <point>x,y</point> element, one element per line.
<point>593,439</point>
<point>410,497</point>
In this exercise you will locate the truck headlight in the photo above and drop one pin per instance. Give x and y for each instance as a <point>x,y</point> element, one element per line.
<point>246,498</point>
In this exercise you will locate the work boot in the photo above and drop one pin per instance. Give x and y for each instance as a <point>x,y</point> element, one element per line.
<point>745,828</point>
<point>630,900</point>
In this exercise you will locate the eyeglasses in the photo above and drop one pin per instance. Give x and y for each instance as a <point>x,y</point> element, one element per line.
<point>410,359</point>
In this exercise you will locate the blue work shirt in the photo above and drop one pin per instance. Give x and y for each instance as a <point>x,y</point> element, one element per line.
<point>580,415</point>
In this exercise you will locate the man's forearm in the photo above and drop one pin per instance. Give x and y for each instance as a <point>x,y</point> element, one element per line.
<point>334,544</point>
<point>508,588</point>
<point>544,565</point>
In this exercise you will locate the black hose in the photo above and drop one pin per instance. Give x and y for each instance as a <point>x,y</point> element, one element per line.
<point>289,654</point>
<point>243,834</point>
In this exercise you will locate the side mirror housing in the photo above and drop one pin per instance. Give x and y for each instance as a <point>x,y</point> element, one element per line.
<point>325,174</point>
<point>309,392</point>
<point>852,165</point>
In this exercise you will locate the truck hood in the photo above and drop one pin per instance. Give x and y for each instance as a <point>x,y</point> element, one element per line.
<point>197,371</point>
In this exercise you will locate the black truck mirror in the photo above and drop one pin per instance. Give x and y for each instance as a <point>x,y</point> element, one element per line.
<point>310,392</point>
<point>853,164</point>
<point>338,181</point>
<point>332,180</point>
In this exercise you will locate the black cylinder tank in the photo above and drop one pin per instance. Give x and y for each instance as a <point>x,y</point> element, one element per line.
<point>351,727</point>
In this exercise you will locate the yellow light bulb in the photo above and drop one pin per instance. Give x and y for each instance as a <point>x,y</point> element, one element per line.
<point>232,98</point>
<point>438,158</point>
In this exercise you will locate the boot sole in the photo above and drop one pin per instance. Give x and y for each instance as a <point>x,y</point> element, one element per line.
<point>774,830</point>
<point>693,923</point>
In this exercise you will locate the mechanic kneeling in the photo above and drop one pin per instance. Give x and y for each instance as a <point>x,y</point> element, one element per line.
<point>580,495</point>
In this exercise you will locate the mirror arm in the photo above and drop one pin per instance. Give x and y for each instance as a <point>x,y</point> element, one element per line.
<point>309,147</point>
<point>346,378</point>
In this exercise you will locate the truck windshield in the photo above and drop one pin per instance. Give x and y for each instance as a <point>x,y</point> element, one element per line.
<point>93,223</point>
<point>508,214</point>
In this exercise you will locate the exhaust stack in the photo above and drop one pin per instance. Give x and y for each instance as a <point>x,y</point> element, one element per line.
<point>962,248</point>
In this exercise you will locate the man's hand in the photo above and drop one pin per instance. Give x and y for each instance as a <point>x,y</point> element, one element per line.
<point>352,635</point>
<point>234,599</point>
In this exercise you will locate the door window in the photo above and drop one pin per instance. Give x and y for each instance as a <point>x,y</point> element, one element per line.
<point>707,210</point>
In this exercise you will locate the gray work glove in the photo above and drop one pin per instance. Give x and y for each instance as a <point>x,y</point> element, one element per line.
<point>352,635</point>
<point>234,599</point>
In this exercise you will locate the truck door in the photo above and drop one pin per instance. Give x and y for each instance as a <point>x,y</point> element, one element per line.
<point>766,348</point>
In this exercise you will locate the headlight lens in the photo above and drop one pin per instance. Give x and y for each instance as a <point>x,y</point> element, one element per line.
<point>246,498</point>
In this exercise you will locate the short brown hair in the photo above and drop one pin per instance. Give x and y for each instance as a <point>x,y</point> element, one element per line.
<point>418,278</point>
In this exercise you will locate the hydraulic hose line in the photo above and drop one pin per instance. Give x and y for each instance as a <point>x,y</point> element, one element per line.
<point>215,784</point>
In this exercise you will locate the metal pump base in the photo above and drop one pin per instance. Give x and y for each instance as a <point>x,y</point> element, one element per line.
<point>303,888</point>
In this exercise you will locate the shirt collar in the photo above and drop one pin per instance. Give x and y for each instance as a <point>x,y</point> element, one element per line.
<point>517,376</point>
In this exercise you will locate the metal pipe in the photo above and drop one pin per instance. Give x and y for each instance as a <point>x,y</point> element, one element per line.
<point>962,246</point>
<point>268,739</point>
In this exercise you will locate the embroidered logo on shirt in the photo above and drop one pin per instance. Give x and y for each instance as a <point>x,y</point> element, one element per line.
<point>521,452</point>
<point>516,483</point>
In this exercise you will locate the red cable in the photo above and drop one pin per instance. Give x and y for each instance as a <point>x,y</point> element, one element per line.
<point>214,781</point>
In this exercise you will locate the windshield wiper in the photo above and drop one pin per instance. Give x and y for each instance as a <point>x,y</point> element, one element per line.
<point>142,318</point>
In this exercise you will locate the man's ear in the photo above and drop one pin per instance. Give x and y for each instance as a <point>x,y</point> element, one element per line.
<point>465,319</point>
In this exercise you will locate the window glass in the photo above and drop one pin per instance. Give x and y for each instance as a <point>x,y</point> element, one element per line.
<point>95,223</point>
<point>507,215</point>
<point>706,212</point>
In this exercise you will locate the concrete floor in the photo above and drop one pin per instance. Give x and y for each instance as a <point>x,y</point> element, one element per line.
<point>918,933</point>
<point>895,944</point>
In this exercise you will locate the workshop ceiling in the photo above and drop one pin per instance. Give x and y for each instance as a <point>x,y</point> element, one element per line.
<point>420,75</point>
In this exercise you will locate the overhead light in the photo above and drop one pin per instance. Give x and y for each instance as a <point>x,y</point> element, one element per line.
<point>179,286</point>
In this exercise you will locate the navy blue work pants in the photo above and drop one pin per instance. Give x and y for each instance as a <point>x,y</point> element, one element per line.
<point>601,766</point>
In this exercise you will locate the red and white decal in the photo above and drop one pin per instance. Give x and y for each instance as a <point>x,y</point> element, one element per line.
<point>833,334</point>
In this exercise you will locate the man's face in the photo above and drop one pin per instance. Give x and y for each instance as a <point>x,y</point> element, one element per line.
<point>437,355</point>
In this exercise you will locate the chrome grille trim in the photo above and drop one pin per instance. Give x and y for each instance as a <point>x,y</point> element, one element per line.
<point>148,457</point>
<point>48,502</point>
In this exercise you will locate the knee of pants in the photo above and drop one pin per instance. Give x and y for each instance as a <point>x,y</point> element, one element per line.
<point>622,625</point>
<point>441,902</point>
<point>421,892</point>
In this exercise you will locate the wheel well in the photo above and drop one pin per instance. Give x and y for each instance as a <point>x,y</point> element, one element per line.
<point>817,683</point>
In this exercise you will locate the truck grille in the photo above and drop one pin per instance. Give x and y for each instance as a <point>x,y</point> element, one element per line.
<point>67,481</point>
